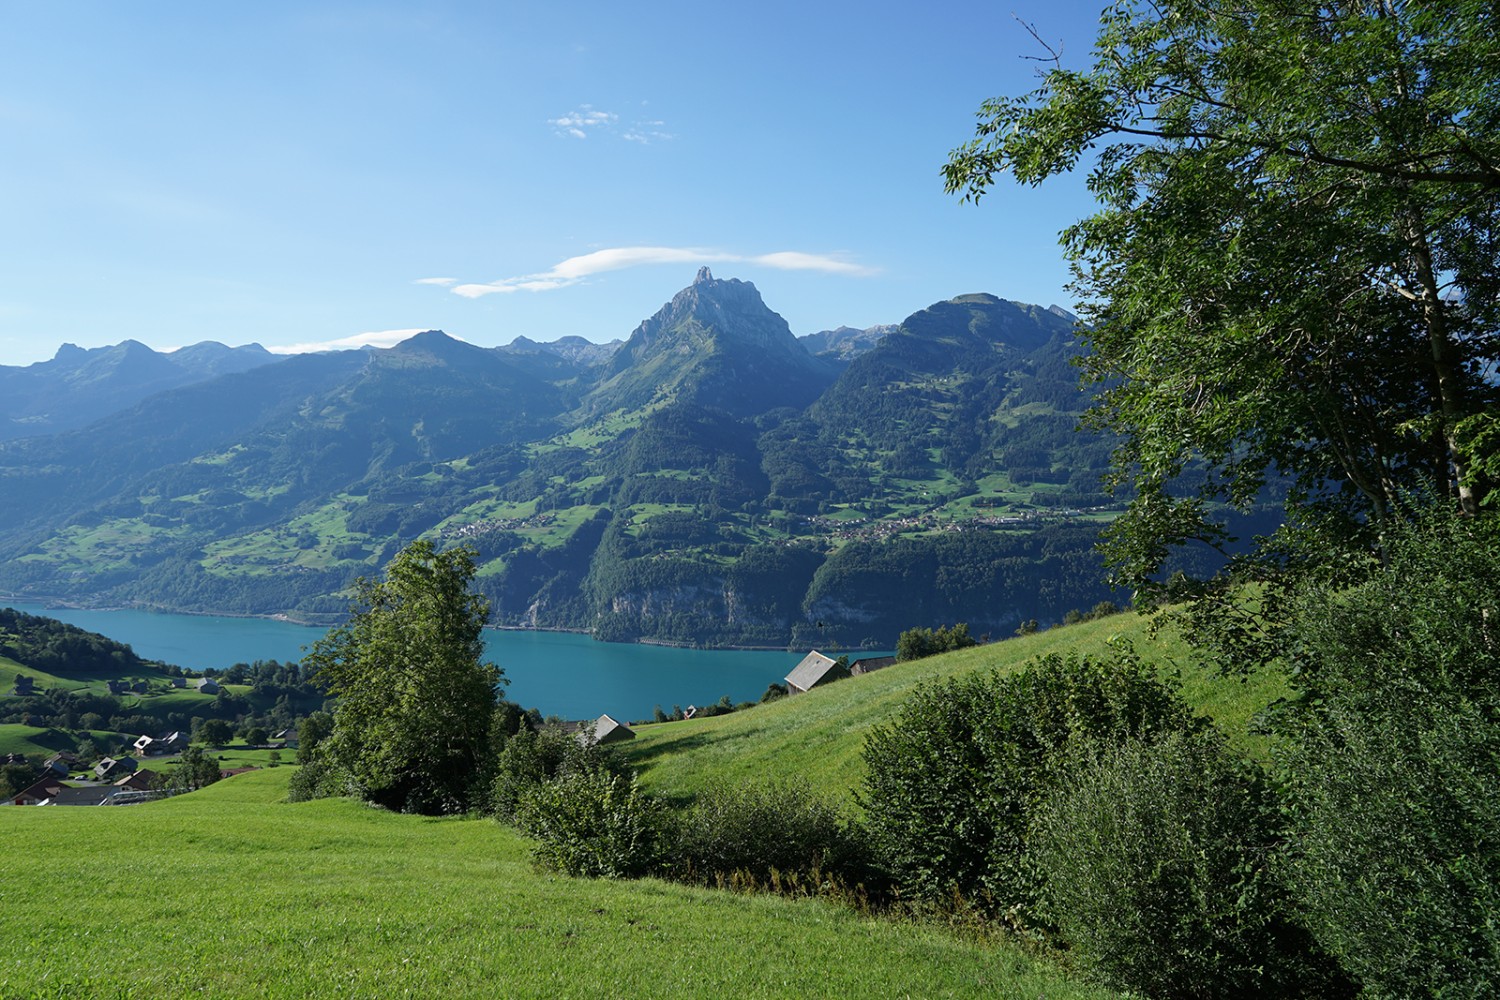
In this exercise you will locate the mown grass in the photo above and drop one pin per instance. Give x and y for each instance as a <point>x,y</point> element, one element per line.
<point>231,892</point>
<point>10,669</point>
<point>819,736</point>
<point>18,738</point>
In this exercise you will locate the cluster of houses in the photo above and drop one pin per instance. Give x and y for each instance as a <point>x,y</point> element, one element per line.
<point>25,686</point>
<point>116,780</point>
<point>203,685</point>
<point>121,780</point>
<point>814,669</point>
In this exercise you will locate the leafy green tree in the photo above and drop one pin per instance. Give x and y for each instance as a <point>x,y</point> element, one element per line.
<point>311,731</point>
<point>17,777</point>
<point>415,699</point>
<point>255,735</point>
<point>215,732</point>
<point>1293,269</point>
<point>534,756</point>
<point>594,824</point>
<point>195,769</point>
<point>915,643</point>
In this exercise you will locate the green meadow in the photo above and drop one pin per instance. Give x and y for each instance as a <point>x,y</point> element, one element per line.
<point>232,892</point>
<point>818,736</point>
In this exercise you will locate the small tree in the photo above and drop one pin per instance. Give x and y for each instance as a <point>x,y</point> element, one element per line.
<point>415,698</point>
<point>215,732</point>
<point>1158,858</point>
<point>255,736</point>
<point>915,643</point>
<point>195,769</point>
<point>311,731</point>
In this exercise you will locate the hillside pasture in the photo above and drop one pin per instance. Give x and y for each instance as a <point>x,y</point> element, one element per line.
<point>231,892</point>
<point>819,736</point>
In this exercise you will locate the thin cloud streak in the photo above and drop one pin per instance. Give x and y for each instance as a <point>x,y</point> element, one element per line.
<point>577,269</point>
<point>588,121</point>
<point>378,338</point>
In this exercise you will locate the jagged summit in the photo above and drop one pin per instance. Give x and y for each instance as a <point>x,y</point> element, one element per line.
<point>715,343</point>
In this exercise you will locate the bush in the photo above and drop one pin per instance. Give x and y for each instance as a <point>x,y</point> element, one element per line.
<point>952,782</point>
<point>752,831</point>
<point>915,643</point>
<point>531,758</point>
<point>1393,764</point>
<point>1157,857</point>
<point>316,779</point>
<point>593,823</point>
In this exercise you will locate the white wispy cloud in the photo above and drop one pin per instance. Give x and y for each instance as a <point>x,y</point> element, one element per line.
<point>580,123</point>
<point>445,282</point>
<point>588,120</point>
<point>377,338</point>
<point>577,269</point>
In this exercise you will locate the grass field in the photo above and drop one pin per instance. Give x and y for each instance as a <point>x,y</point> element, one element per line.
<point>231,892</point>
<point>819,735</point>
<point>17,738</point>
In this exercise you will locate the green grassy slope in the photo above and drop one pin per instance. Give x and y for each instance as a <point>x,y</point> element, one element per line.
<point>819,735</point>
<point>230,892</point>
<point>17,738</point>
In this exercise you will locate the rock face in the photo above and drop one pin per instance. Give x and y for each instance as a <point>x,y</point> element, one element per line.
<point>843,345</point>
<point>715,344</point>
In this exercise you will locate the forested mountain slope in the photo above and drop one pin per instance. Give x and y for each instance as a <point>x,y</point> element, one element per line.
<point>708,481</point>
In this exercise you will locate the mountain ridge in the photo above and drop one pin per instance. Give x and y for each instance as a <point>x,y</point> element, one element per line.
<point>711,481</point>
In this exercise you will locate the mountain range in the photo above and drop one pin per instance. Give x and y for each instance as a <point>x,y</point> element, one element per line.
<point>711,479</point>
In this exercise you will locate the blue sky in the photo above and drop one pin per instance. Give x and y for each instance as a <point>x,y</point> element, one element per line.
<point>301,174</point>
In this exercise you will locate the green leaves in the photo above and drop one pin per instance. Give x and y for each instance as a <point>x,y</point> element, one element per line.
<point>1293,276</point>
<point>415,699</point>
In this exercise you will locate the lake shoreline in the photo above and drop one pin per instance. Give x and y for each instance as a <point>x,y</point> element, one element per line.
<point>564,673</point>
<point>73,604</point>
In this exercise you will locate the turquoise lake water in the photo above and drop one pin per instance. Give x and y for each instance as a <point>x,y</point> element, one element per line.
<point>560,673</point>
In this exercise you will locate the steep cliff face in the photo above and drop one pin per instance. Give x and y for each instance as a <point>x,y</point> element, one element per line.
<point>715,344</point>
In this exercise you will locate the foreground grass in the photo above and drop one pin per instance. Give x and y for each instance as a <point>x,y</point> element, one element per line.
<point>819,736</point>
<point>231,892</point>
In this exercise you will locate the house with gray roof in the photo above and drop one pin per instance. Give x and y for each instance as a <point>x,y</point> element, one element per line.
<point>606,729</point>
<point>814,669</point>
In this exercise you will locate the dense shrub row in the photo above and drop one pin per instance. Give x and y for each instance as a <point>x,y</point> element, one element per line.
<point>1082,803</point>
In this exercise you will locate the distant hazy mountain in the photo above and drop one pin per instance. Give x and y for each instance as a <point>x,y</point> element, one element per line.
<point>843,345</point>
<point>79,386</point>
<point>709,480</point>
<point>575,350</point>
